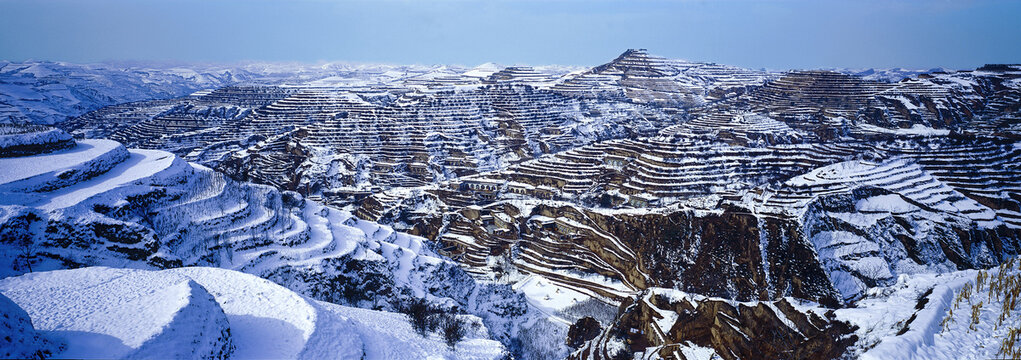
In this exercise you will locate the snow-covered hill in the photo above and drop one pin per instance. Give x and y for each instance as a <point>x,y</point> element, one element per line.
<point>889,75</point>
<point>209,313</point>
<point>44,92</point>
<point>47,92</point>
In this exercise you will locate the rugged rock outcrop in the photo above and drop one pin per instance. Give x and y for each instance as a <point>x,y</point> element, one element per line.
<point>671,324</point>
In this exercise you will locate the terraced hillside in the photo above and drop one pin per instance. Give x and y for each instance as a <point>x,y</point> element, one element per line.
<point>410,140</point>
<point>98,203</point>
<point>825,105</point>
<point>667,172</point>
<point>824,222</point>
<point>637,76</point>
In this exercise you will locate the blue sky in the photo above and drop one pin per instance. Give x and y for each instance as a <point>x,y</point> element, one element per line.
<point>771,34</point>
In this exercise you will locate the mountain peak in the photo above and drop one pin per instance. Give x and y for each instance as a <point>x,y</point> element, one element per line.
<point>637,62</point>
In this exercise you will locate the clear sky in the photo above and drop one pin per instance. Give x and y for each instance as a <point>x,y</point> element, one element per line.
<point>755,34</point>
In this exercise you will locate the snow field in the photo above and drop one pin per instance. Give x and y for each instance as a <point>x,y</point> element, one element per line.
<point>18,338</point>
<point>122,313</point>
<point>215,313</point>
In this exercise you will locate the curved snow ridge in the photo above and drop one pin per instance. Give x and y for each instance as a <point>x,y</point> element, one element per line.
<point>23,171</point>
<point>120,313</point>
<point>70,175</point>
<point>140,165</point>
<point>66,178</point>
<point>267,320</point>
<point>199,329</point>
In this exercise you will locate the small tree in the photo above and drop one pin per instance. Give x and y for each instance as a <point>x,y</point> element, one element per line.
<point>18,232</point>
<point>418,312</point>
<point>453,330</point>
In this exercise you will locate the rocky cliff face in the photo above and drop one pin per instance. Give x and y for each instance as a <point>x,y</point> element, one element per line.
<point>672,324</point>
<point>728,253</point>
<point>840,245</point>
